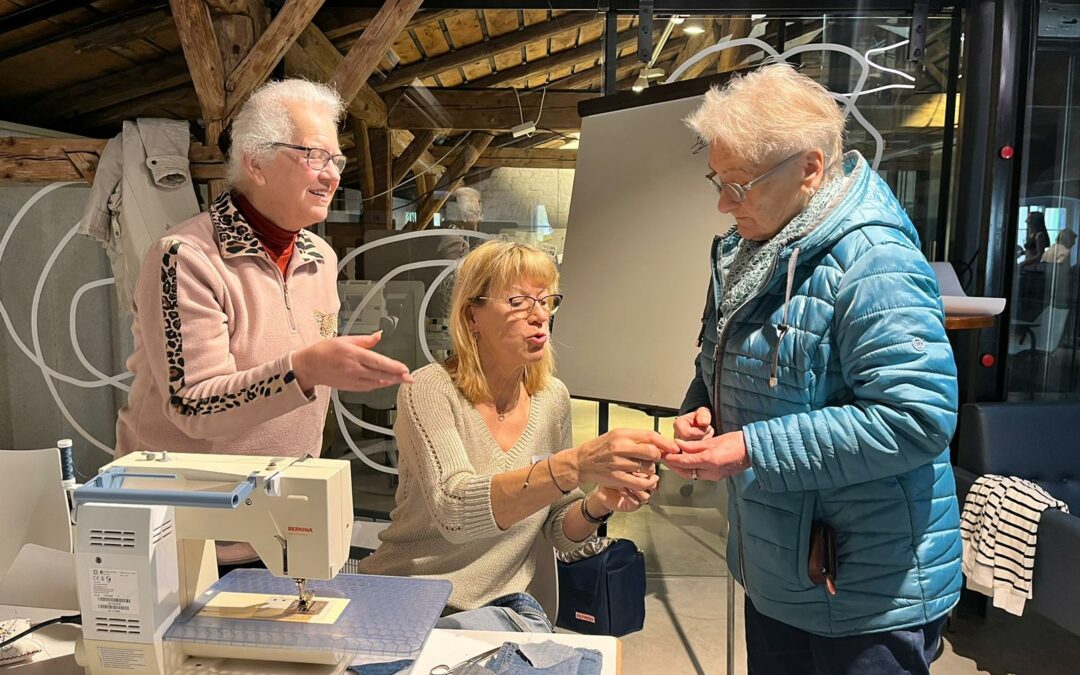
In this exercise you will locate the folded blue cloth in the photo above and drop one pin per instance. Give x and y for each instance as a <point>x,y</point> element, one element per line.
<point>545,658</point>
<point>390,668</point>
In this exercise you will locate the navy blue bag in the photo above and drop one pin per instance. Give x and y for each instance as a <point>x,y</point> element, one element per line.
<point>604,594</point>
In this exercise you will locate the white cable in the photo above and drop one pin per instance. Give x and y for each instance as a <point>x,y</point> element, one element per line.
<point>415,176</point>
<point>543,95</point>
<point>521,113</point>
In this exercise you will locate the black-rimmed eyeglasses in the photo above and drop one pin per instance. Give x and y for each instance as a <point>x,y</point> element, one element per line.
<point>736,192</point>
<point>527,303</point>
<point>317,158</point>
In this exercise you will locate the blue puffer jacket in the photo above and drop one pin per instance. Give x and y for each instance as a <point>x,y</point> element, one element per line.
<point>841,378</point>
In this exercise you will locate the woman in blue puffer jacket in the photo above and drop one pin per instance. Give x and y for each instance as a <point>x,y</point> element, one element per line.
<point>827,376</point>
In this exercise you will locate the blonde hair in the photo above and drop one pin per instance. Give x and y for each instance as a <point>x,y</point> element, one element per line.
<point>265,118</point>
<point>494,267</point>
<point>772,113</point>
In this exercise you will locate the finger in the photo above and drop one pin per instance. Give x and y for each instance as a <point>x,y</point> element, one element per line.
<point>639,451</point>
<point>693,434</point>
<point>694,447</point>
<point>365,341</point>
<point>642,496</point>
<point>622,479</point>
<point>703,417</point>
<point>688,462</point>
<point>663,444</point>
<point>683,473</point>
<point>382,364</point>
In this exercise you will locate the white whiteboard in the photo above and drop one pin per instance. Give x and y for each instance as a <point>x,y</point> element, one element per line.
<point>635,267</point>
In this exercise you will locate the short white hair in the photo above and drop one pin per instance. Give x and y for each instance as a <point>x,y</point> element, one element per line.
<point>770,114</point>
<point>468,200</point>
<point>265,119</point>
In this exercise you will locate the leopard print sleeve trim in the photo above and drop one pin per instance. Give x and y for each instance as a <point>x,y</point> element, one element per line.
<point>174,353</point>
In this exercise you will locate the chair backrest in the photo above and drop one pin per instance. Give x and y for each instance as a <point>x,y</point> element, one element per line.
<point>1036,441</point>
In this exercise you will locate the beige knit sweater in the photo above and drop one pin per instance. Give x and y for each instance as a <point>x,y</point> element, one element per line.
<point>443,526</point>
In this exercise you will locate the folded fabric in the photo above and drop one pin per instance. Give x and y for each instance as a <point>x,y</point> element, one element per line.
<point>999,527</point>
<point>20,650</point>
<point>388,668</point>
<point>545,658</point>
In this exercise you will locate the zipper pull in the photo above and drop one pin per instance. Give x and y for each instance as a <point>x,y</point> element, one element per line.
<point>830,585</point>
<point>288,304</point>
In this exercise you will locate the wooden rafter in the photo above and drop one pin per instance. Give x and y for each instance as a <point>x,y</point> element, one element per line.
<point>417,147</point>
<point>121,32</point>
<point>563,59</point>
<point>364,56</point>
<point>694,45</point>
<point>352,27</point>
<point>487,109</point>
<point>378,203</point>
<point>624,66</point>
<point>362,155</point>
<point>63,159</point>
<point>316,58</point>
<point>107,90</point>
<point>532,158</point>
<point>498,45</point>
<point>201,51</point>
<point>452,179</point>
<point>268,51</point>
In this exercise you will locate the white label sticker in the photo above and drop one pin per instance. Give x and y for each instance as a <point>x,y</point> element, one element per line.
<point>114,591</point>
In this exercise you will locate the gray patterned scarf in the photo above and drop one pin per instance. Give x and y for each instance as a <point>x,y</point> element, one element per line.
<point>745,267</point>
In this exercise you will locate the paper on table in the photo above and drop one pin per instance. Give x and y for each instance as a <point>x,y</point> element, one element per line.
<point>955,301</point>
<point>267,607</point>
<point>41,577</point>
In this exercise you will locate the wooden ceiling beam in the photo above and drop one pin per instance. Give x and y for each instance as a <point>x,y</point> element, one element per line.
<point>485,109</point>
<point>108,90</point>
<point>313,56</point>
<point>124,31</point>
<point>417,147</point>
<point>622,67</point>
<point>452,179</point>
<point>62,159</point>
<point>268,51</point>
<point>353,27</point>
<point>566,57</point>
<point>364,56</point>
<point>530,158</point>
<point>508,42</point>
<point>203,56</point>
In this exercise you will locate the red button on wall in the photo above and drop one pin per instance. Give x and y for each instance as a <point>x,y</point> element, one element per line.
<point>987,360</point>
<point>1007,152</point>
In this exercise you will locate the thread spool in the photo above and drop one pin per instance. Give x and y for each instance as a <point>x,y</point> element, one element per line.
<point>67,462</point>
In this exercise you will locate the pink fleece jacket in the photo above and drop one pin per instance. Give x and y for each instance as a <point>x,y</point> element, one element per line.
<point>215,327</point>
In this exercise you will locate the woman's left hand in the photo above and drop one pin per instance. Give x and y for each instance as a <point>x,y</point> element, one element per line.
<point>616,499</point>
<point>713,458</point>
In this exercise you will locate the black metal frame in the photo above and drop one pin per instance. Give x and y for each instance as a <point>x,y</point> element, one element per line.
<point>999,40</point>
<point>664,7</point>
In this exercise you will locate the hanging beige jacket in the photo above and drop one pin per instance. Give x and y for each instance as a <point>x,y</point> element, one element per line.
<point>142,187</point>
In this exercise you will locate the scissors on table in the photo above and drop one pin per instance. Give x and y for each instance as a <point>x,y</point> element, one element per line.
<point>447,670</point>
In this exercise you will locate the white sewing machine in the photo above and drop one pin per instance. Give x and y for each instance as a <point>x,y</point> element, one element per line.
<point>145,535</point>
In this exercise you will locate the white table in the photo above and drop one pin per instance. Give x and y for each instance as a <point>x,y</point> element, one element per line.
<point>449,647</point>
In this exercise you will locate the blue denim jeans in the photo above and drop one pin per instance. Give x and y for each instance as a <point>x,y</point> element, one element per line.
<point>775,648</point>
<point>518,612</point>
<point>545,658</point>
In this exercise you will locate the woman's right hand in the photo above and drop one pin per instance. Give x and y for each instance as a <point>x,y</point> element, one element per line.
<point>612,459</point>
<point>694,426</point>
<point>347,363</point>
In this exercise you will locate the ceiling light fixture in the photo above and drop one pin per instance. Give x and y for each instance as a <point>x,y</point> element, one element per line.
<point>640,84</point>
<point>693,29</point>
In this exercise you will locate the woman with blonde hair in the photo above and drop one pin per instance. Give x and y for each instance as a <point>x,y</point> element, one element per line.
<point>487,459</point>
<point>825,393</point>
